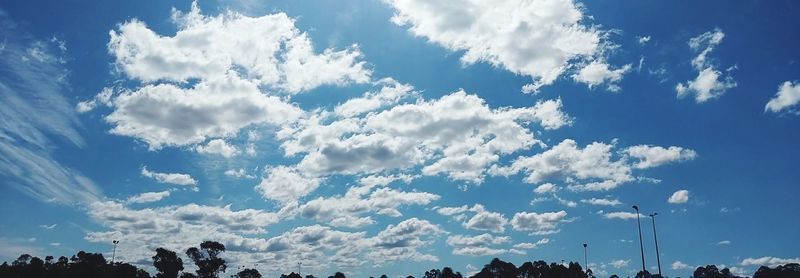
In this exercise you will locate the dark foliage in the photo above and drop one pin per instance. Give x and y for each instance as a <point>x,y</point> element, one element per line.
<point>782,271</point>
<point>207,258</point>
<point>251,273</point>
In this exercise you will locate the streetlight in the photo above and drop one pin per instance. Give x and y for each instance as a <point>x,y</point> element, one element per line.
<point>585,260</point>
<point>658,256</point>
<point>641,244</point>
<point>114,254</point>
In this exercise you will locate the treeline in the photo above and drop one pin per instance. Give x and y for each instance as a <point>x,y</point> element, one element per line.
<point>211,265</point>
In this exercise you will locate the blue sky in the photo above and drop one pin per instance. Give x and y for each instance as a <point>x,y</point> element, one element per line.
<point>392,137</point>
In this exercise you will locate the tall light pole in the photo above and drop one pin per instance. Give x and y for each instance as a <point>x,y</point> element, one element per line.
<point>641,244</point>
<point>114,254</point>
<point>585,260</point>
<point>655,237</point>
<point>298,267</point>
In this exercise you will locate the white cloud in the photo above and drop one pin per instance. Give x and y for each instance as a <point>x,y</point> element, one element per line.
<point>219,147</point>
<point>401,241</point>
<point>710,82</point>
<point>724,242</point>
<point>349,210</point>
<point>653,156</point>
<point>457,135</point>
<point>678,265</point>
<point>546,188</point>
<point>234,61</point>
<point>555,33</point>
<point>602,202</point>
<point>643,39</point>
<point>484,220</point>
<point>621,215</point>
<point>448,211</point>
<point>148,197</point>
<point>390,93</point>
<point>48,227</point>
<point>538,223</point>
<point>286,185</point>
<point>619,263</point>
<point>240,173</point>
<point>35,118</point>
<point>171,178</point>
<point>593,168</point>
<point>528,245</point>
<point>598,72</point>
<point>787,97</point>
<point>480,245</point>
<point>566,161</point>
<point>769,261</point>
<point>679,197</point>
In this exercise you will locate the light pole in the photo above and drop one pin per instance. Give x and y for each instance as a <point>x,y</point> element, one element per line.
<point>655,237</point>
<point>114,254</point>
<point>585,260</point>
<point>298,268</point>
<point>641,244</point>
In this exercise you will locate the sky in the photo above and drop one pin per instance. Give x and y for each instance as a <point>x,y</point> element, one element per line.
<point>397,136</point>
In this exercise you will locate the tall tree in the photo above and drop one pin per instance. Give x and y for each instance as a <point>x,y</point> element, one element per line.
<point>249,273</point>
<point>207,259</point>
<point>168,264</point>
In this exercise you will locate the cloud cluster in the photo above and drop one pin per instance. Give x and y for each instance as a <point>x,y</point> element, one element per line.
<point>170,178</point>
<point>480,245</point>
<point>538,223</point>
<point>787,98</point>
<point>592,168</point>
<point>710,83</point>
<point>216,75</point>
<point>679,197</point>
<point>555,36</point>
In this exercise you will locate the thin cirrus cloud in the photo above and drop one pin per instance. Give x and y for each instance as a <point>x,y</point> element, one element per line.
<point>36,116</point>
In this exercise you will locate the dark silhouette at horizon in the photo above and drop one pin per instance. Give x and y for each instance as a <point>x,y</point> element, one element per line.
<point>211,265</point>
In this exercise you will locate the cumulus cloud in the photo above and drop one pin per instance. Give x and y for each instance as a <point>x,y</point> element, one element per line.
<point>35,118</point>
<point>480,245</point>
<point>349,210</point>
<point>484,220</point>
<point>653,156</point>
<point>710,83</point>
<point>787,98</point>
<point>567,161</point>
<point>528,245</point>
<point>620,263</point>
<point>148,197</point>
<point>555,33</point>
<point>769,261</point>
<point>546,188</point>
<point>234,63</point>
<point>679,197</point>
<point>621,215</point>
<point>457,135</point>
<point>538,223</point>
<point>219,147</point>
<point>170,178</point>
<point>593,168</point>
<point>602,202</point>
<point>286,185</point>
<point>678,265</point>
<point>598,72</point>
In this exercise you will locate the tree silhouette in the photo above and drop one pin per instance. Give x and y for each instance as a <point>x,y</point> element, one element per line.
<point>447,272</point>
<point>711,271</point>
<point>167,263</point>
<point>207,259</point>
<point>337,275</point>
<point>291,275</point>
<point>781,271</point>
<point>251,273</point>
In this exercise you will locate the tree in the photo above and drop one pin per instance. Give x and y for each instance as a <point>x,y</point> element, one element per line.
<point>644,274</point>
<point>613,276</point>
<point>167,263</point>
<point>251,273</point>
<point>447,272</point>
<point>497,269</point>
<point>207,259</point>
<point>433,273</point>
<point>188,275</point>
<point>781,271</point>
<point>711,271</point>
<point>291,275</point>
<point>337,275</point>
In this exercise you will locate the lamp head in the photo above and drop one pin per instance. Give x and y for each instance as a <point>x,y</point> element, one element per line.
<point>636,208</point>
<point>584,245</point>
